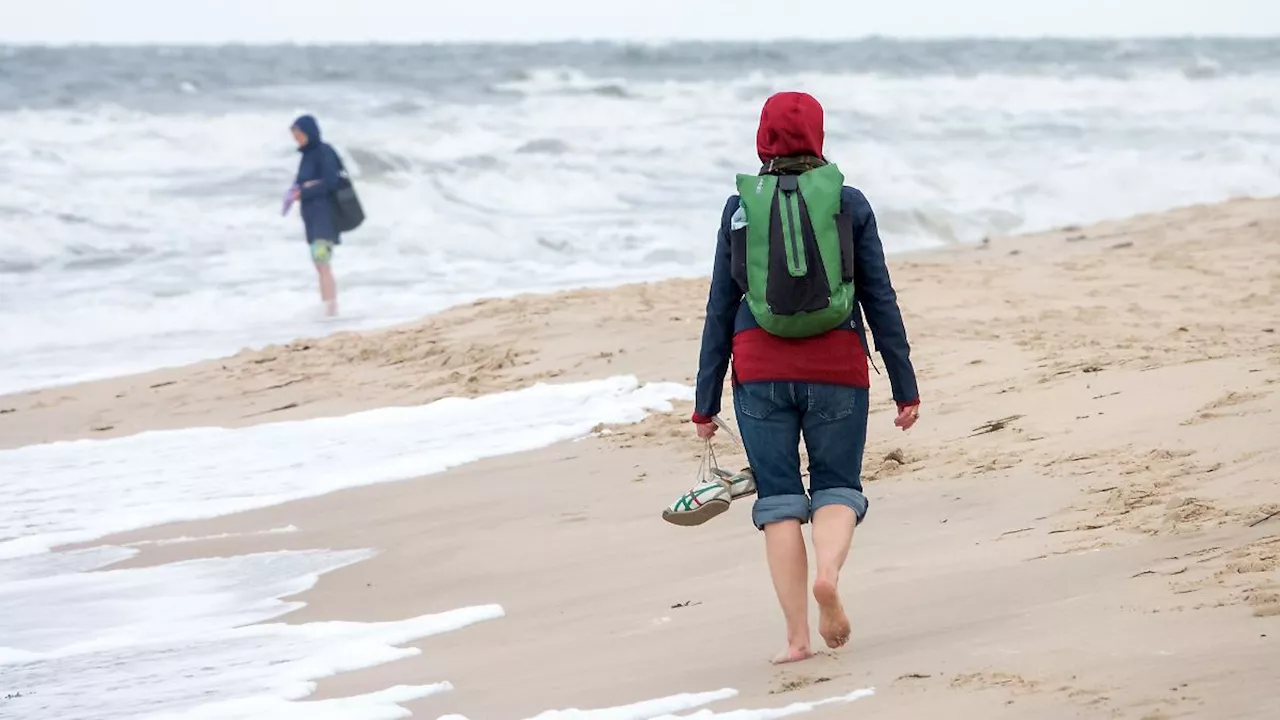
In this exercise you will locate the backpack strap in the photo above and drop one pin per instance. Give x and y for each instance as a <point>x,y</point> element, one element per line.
<point>844,223</point>
<point>342,167</point>
<point>845,229</point>
<point>738,250</point>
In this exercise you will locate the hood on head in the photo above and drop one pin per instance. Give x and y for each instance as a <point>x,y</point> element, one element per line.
<point>308,125</point>
<point>790,124</point>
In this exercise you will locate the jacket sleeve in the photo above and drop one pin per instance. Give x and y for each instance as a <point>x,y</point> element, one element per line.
<point>329,169</point>
<point>723,300</point>
<point>874,291</point>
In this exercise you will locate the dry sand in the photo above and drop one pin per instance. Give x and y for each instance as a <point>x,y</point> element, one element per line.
<point>1085,523</point>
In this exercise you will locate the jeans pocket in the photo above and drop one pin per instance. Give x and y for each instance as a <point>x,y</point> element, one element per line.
<point>754,400</point>
<point>835,402</point>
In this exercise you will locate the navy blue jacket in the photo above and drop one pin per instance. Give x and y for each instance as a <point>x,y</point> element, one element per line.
<point>727,315</point>
<point>319,163</point>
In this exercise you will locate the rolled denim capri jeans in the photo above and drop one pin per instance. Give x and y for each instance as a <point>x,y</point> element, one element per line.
<point>772,416</point>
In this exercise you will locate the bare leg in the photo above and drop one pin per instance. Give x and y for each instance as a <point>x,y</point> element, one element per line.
<point>328,289</point>
<point>789,567</point>
<point>832,535</point>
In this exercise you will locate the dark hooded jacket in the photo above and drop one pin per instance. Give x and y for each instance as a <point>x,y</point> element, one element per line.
<point>789,140</point>
<point>321,167</point>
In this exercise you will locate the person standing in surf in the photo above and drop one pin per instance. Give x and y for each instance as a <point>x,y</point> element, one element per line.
<point>798,261</point>
<point>319,173</point>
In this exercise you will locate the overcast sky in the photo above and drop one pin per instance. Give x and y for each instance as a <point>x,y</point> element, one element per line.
<point>255,21</point>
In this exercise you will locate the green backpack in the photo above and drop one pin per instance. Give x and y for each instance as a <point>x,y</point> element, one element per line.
<point>793,258</point>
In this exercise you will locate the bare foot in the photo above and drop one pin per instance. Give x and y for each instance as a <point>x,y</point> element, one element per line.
<point>833,624</point>
<point>793,653</point>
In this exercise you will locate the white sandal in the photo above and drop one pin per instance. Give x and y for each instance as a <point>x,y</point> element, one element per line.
<point>714,491</point>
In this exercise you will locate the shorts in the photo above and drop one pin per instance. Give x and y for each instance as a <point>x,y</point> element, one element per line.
<point>321,251</point>
<point>772,416</point>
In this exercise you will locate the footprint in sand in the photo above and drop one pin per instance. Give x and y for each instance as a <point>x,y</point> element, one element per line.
<point>792,655</point>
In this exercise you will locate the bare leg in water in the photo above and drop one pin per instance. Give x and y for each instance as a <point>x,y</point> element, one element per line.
<point>789,567</point>
<point>328,289</point>
<point>833,527</point>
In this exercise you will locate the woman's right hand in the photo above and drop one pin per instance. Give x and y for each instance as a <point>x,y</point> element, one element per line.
<point>706,430</point>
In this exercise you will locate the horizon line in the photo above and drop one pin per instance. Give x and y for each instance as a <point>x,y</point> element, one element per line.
<point>1011,38</point>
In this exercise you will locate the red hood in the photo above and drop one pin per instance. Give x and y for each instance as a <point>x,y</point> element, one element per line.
<point>790,124</point>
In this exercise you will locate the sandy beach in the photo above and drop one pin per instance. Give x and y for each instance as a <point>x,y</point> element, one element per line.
<point>1084,524</point>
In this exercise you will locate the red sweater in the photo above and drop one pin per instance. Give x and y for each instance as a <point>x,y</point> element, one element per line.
<point>835,358</point>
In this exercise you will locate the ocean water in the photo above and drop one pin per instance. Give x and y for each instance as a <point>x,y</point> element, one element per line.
<point>667,707</point>
<point>140,188</point>
<point>193,640</point>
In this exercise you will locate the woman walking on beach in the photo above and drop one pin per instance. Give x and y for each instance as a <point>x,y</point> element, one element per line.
<point>797,255</point>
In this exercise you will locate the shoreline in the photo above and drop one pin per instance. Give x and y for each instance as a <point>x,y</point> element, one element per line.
<point>1094,450</point>
<point>282,381</point>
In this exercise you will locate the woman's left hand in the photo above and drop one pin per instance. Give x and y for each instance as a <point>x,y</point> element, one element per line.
<point>907,417</point>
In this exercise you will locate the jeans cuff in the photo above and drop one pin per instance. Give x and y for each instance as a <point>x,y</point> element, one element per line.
<point>777,508</point>
<point>848,497</point>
